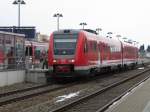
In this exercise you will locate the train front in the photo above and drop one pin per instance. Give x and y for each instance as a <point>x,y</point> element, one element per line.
<point>64,53</point>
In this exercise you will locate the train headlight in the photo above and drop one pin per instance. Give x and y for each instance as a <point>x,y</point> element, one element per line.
<point>54,61</point>
<point>72,60</point>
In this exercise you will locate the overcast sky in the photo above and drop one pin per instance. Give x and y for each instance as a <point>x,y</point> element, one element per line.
<point>129,18</point>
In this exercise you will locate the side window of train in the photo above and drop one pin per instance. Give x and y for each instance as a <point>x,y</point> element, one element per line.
<point>85,47</point>
<point>95,46</point>
<point>26,51</point>
<point>99,48</point>
<point>90,46</point>
<point>30,51</point>
<point>104,52</point>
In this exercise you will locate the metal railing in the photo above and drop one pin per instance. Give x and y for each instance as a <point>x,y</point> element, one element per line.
<point>30,64</point>
<point>12,64</point>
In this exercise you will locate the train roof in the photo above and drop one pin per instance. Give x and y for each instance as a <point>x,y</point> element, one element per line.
<point>128,44</point>
<point>89,33</point>
<point>72,31</point>
<point>36,43</point>
<point>106,40</point>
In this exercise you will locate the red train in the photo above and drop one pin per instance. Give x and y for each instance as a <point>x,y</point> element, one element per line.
<point>34,50</point>
<point>78,52</point>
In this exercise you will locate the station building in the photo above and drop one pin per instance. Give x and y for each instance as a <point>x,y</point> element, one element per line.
<point>12,58</point>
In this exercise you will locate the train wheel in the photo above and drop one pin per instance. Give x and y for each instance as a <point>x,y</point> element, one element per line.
<point>125,67</point>
<point>133,66</point>
<point>92,73</point>
<point>119,68</point>
<point>49,79</point>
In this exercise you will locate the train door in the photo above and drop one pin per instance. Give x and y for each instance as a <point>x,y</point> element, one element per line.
<point>28,56</point>
<point>108,53</point>
<point>105,54</point>
<point>99,55</point>
<point>122,54</point>
<point>102,52</point>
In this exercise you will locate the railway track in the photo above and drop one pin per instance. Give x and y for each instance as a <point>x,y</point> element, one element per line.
<point>102,109</point>
<point>17,95</point>
<point>21,94</point>
<point>72,106</point>
<point>21,90</point>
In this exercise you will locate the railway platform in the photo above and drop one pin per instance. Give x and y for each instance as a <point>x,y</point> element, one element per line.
<point>36,75</point>
<point>137,100</point>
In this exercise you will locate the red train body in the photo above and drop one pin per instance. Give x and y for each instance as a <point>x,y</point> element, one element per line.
<point>77,52</point>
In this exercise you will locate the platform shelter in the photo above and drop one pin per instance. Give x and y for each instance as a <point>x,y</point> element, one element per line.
<point>12,58</point>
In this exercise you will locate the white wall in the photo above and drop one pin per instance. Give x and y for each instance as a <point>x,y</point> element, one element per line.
<point>11,77</point>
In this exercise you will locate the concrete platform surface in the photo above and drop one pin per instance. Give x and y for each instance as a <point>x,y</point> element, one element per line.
<point>138,100</point>
<point>11,77</point>
<point>36,75</point>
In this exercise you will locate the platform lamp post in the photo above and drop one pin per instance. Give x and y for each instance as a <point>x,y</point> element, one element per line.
<point>19,3</point>
<point>83,24</point>
<point>135,43</point>
<point>98,30</point>
<point>130,41</point>
<point>118,36</point>
<point>109,34</point>
<point>125,38</point>
<point>58,15</point>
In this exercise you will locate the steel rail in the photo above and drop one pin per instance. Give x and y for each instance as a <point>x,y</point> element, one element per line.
<point>96,93</point>
<point>17,97</point>
<point>102,109</point>
<point>22,90</point>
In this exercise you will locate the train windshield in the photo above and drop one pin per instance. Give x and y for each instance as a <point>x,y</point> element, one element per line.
<point>65,44</point>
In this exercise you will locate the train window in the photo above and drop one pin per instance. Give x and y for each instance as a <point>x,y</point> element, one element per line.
<point>28,51</point>
<point>65,36</point>
<point>38,51</point>
<point>85,47</point>
<point>2,55</point>
<point>95,46</point>
<point>114,49</point>
<point>89,46</point>
<point>99,47</point>
<point>65,44</point>
<point>37,54</point>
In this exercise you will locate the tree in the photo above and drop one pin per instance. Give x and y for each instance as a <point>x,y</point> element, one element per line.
<point>142,48</point>
<point>148,48</point>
